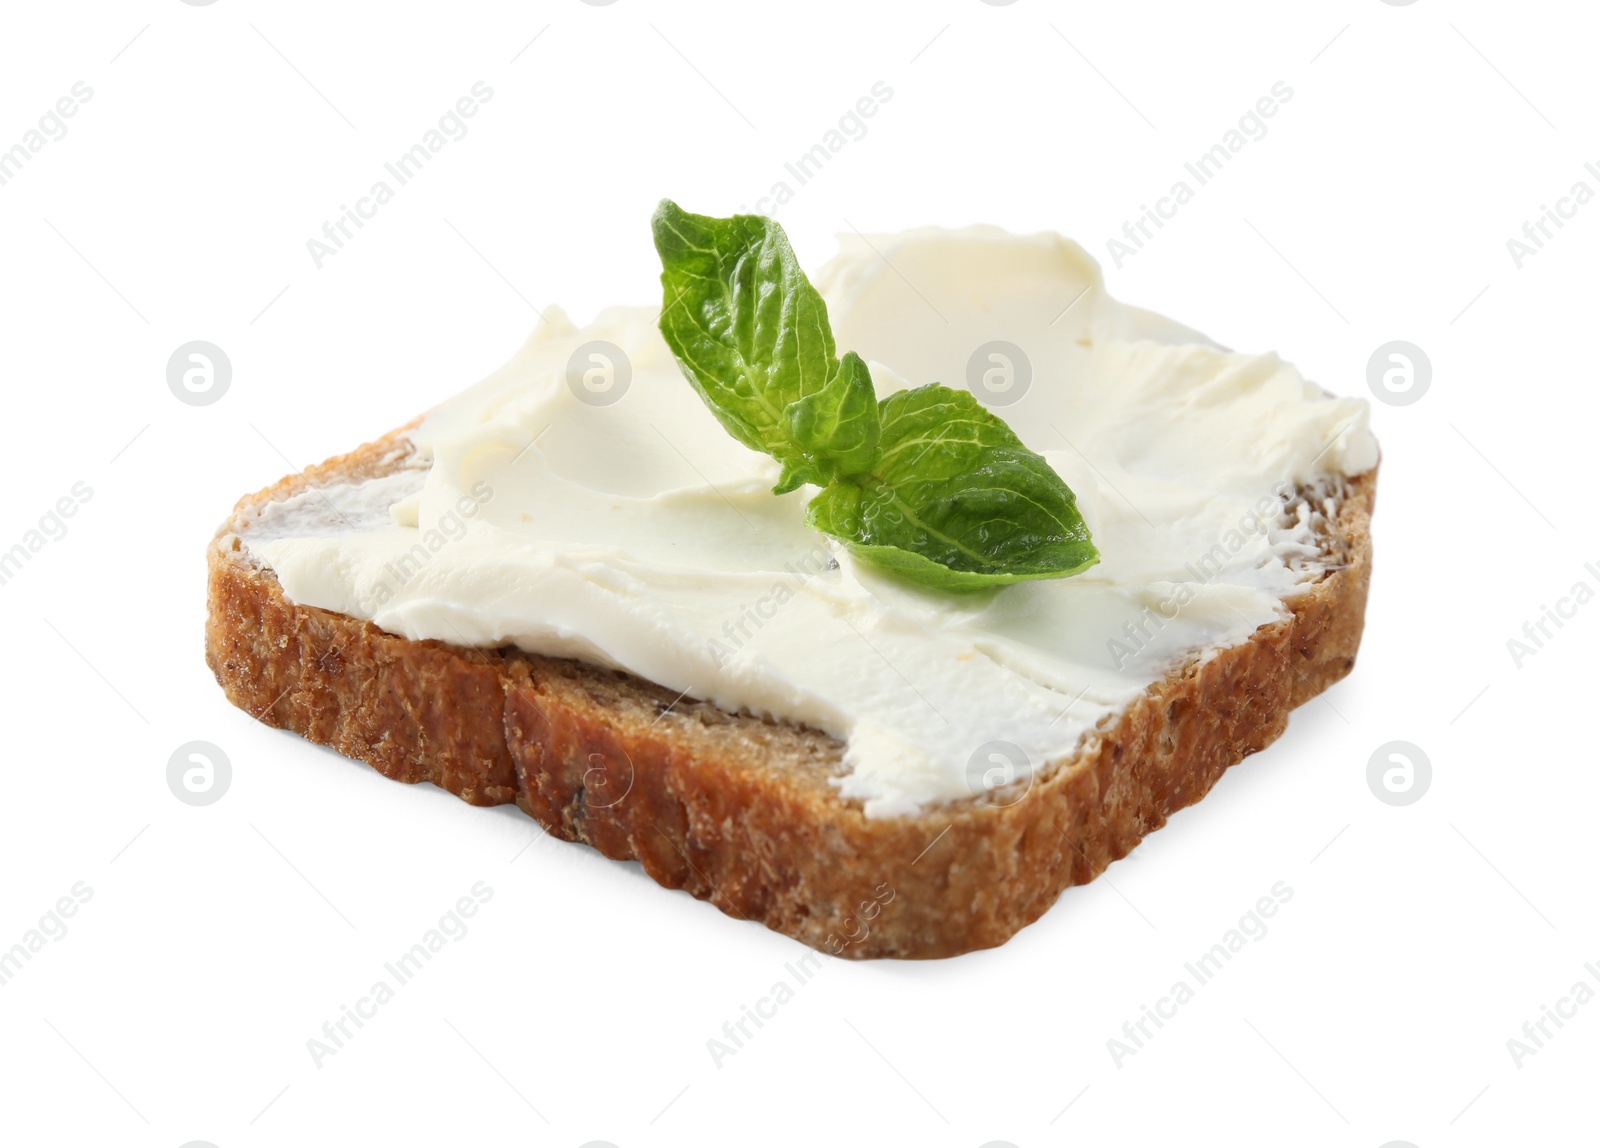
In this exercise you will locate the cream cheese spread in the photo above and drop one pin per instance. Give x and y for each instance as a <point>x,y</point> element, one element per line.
<point>600,512</point>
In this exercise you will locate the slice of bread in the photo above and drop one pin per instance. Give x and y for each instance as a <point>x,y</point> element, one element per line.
<point>739,810</point>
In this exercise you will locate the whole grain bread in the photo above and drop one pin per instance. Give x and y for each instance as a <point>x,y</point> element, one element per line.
<point>739,810</point>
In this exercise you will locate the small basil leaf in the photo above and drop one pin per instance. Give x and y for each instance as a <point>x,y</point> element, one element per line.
<point>744,323</point>
<point>796,473</point>
<point>956,501</point>
<point>839,425</point>
<point>836,510</point>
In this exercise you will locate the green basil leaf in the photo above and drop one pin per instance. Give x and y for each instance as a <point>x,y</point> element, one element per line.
<point>838,426</point>
<point>956,501</point>
<point>798,472</point>
<point>927,483</point>
<point>744,323</point>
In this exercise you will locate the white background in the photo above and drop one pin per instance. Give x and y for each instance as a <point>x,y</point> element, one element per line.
<point>218,940</point>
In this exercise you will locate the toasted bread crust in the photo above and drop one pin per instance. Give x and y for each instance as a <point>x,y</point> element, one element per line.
<point>740,810</point>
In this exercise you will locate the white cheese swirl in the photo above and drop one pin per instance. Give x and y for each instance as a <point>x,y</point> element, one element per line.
<point>637,534</point>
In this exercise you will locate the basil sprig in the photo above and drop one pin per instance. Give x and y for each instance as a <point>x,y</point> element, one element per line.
<point>926,483</point>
